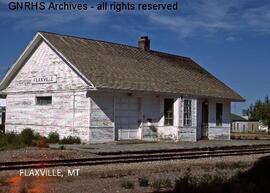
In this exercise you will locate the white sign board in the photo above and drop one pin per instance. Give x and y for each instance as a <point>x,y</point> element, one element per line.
<point>44,79</point>
<point>3,103</point>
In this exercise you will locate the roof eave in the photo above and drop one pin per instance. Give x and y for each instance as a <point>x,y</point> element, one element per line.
<point>239,99</point>
<point>27,51</point>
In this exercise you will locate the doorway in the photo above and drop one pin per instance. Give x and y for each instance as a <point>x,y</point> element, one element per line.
<point>126,118</point>
<point>3,122</point>
<point>205,119</point>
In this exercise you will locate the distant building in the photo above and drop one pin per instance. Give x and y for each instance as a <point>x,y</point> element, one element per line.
<point>243,124</point>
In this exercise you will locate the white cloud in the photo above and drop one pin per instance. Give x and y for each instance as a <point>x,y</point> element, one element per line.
<point>230,38</point>
<point>212,16</point>
<point>258,18</point>
<point>200,17</point>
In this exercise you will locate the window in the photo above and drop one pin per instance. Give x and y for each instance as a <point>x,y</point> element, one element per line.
<point>168,111</point>
<point>219,110</point>
<point>44,100</point>
<point>244,128</point>
<point>187,113</point>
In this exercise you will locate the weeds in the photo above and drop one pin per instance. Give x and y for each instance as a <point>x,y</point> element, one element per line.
<point>127,184</point>
<point>237,165</point>
<point>10,141</point>
<point>143,181</point>
<point>222,165</point>
<point>41,142</point>
<point>162,183</point>
<point>29,138</point>
<point>2,182</point>
<point>70,140</point>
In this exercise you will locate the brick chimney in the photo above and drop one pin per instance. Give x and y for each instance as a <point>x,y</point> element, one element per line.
<point>144,43</point>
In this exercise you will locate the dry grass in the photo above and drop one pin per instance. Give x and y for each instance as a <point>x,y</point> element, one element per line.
<point>250,136</point>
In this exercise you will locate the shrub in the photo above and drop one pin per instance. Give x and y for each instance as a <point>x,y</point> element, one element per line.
<point>127,184</point>
<point>162,183</point>
<point>10,141</point>
<point>36,135</point>
<point>41,142</point>
<point>27,136</point>
<point>70,140</point>
<point>53,137</point>
<point>143,181</point>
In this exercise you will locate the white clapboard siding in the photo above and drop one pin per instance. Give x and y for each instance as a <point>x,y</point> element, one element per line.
<point>46,74</point>
<point>127,117</point>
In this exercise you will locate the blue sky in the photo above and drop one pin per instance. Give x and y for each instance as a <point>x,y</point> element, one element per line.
<point>230,38</point>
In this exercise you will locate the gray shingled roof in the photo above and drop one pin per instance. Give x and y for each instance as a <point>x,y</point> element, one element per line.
<point>115,66</point>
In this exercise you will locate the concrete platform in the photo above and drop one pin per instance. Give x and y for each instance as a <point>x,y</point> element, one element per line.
<point>129,146</point>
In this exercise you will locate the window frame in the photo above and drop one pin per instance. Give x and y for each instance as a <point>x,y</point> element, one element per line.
<point>169,120</point>
<point>44,103</point>
<point>187,112</point>
<point>219,114</point>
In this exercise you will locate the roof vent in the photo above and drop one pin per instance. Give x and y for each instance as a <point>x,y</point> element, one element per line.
<point>144,43</point>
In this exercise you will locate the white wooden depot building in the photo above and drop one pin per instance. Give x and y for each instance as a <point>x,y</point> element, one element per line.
<point>102,91</point>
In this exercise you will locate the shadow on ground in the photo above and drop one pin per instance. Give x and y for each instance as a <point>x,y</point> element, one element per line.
<point>254,180</point>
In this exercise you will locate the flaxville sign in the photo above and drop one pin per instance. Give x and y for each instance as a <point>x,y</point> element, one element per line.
<point>44,79</point>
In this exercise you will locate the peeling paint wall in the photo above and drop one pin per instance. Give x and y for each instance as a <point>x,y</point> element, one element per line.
<point>219,132</point>
<point>44,62</point>
<point>151,109</point>
<point>101,118</point>
<point>69,112</point>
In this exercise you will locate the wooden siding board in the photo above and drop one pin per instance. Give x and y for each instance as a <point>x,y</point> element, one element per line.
<point>101,118</point>
<point>68,114</point>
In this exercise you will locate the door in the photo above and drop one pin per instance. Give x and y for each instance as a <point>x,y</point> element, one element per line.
<point>3,121</point>
<point>205,114</point>
<point>126,118</point>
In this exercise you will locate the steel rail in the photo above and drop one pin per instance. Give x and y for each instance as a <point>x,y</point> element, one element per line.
<point>132,158</point>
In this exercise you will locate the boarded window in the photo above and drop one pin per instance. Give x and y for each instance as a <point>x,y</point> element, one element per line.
<point>219,112</point>
<point>168,111</point>
<point>44,100</point>
<point>187,113</point>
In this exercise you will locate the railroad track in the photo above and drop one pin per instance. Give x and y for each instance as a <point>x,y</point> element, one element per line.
<point>141,157</point>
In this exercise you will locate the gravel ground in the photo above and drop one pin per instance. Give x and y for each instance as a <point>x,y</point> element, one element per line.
<point>33,153</point>
<point>108,178</point>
